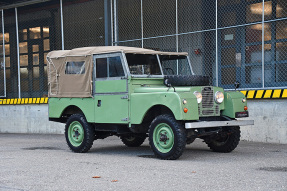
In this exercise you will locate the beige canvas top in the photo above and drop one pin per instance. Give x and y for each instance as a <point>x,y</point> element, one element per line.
<point>84,51</point>
<point>80,85</point>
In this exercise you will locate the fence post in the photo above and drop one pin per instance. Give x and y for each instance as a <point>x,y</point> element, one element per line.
<point>18,54</point>
<point>4,63</point>
<point>62,24</point>
<point>216,44</point>
<point>263,76</point>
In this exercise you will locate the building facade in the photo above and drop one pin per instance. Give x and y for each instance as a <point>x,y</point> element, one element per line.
<point>229,40</point>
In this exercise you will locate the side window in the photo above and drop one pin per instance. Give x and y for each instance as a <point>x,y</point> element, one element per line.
<point>101,68</point>
<point>75,67</point>
<point>109,67</point>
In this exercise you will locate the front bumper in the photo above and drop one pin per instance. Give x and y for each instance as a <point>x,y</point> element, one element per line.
<point>209,124</point>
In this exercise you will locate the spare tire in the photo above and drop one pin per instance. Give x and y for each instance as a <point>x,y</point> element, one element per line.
<point>186,80</point>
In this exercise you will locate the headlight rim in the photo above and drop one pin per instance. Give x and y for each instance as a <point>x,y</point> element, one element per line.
<point>198,96</point>
<point>216,99</point>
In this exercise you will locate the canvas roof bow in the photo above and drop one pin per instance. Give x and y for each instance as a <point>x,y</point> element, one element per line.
<point>84,51</point>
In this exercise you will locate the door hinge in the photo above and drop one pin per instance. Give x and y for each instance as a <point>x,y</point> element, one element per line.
<point>126,119</point>
<point>125,97</point>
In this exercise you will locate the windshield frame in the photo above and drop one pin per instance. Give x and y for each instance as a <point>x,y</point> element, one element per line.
<point>143,75</point>
<point>151,75</point>
<point>188,62</point>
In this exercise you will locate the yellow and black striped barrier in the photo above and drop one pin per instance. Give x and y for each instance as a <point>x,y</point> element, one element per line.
<point>250,94</point>
<point>265,94</point>
<point>21,101</point>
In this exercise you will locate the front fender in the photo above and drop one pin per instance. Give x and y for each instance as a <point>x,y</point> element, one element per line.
<point>142,102</point>
<point>233,103</point>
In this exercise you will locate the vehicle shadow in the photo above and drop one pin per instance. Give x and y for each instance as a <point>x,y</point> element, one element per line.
<point>197,151</point>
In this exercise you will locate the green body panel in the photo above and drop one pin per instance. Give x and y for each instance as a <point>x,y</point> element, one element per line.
<point>148,92</point>
<point>160,89</point>
<point>113,109</point>
<point>142,102</point>
<point>58,105</point>
<point>233,103</point>
<point>111,86</point>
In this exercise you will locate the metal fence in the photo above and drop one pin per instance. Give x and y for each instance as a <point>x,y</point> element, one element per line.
<point>30,32</point>
<point>229,40</point>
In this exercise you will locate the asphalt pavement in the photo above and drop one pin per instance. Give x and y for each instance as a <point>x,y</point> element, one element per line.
<point>44,162</point>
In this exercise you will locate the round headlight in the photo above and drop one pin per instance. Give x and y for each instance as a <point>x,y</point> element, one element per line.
<point>219,97</point>
<point>198,96</point>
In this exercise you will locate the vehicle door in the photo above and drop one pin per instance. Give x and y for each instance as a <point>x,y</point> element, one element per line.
<point>110,89</point>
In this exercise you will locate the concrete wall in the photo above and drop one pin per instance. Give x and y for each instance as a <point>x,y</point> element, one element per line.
<point>269,116</point>
<point>270,121</point>
<point>27,119</point>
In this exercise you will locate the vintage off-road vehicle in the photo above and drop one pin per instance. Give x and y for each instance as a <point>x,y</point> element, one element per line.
<point>136,93</point>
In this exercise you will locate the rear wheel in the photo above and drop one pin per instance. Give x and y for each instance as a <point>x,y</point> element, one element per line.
<point>167,137</point>
<point>226,143</point>
<point>79,134</point>
<point>133,140</point>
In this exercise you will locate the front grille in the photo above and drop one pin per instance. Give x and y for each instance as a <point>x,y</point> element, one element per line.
<point>207,112</point>
<point>207,97</point>
<point>217,109</point>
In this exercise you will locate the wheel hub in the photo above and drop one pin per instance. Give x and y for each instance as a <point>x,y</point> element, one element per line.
<point>163,138</point>
<point>76,134</point>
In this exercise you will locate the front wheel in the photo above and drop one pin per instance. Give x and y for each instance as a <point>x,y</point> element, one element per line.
<point>79,134</point>
<point>226,143</point>
<point>167,137</point>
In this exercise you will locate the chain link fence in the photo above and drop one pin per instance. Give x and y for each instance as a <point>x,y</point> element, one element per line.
<point>228,40</point>
<point>39,32</point>
<point>83,23</point>
<point>38,35</point>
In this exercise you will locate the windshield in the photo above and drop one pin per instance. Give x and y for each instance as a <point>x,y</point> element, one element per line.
<point>175,65</point>
<point>143,64</point>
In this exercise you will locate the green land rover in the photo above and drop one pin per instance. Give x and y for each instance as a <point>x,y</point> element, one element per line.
<point>135,93</point>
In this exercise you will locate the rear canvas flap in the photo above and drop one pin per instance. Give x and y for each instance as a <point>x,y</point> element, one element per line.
<point>70,76</point>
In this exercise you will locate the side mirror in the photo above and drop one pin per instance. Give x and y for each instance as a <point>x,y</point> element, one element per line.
<point>166,82</point>
<point>236,85</point>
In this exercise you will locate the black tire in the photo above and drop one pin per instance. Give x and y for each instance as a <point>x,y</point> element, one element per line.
<point>79,134</point>
<point>227,143</point>
<point>186,80</point>
<point>133,140</point>
<point>159,137</point>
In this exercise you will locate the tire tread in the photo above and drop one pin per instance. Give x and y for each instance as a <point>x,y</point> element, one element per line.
<point>230,145</point>
<point>179,133</point>
<point>88,137</point>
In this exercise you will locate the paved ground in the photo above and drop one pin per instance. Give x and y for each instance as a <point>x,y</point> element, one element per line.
<point>43,162</point>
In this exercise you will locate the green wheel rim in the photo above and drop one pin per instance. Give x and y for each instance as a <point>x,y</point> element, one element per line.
<point>76,133</point>
<point>163,138</point>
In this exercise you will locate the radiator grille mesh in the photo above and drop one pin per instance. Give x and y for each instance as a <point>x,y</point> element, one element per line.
<point>207,97</point>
